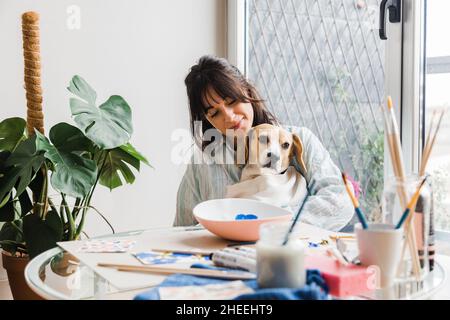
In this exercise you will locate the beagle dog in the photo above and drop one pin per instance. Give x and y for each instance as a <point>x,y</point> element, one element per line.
<point>268,175</point>
<point>270,150</point>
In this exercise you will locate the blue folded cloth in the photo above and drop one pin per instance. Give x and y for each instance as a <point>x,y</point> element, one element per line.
<point>315,288</point>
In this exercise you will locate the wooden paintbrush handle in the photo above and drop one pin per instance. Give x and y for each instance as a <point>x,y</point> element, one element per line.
<point>197,272</point>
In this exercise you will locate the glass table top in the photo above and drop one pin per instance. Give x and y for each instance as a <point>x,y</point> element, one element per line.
<point>56,274</point>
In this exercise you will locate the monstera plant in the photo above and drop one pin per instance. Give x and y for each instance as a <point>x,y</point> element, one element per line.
<point>71,161</point>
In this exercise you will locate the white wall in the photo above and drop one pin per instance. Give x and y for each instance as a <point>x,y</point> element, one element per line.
<point>141,50</point>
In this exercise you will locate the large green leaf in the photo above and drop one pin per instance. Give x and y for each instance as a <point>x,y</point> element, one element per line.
<point>79,87</point>
<point>9,232</point>
<point>25,203</point>
<point>7,209</point>
<point>4,155</point>
<point>109,125</point>
<point>73,174</point>
<point>11,236</point>
<point>68,138</point>
<point>12,132</point>
<point>41,235</point>
<point>128,148</point>
<point>117,162</point>
<point>5,200</point>
<point>22,166</point>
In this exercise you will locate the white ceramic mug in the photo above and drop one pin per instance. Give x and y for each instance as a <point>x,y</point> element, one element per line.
<point>380,246</point>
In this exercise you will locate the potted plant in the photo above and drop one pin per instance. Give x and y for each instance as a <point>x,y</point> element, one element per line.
<point>72,161</point>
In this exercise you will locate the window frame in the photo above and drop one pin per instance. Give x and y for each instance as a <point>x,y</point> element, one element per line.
<point>405,72</point>
<point>413,80</point>
<point>432,65</point>
<point>238,55</point>
<point>237,31</point>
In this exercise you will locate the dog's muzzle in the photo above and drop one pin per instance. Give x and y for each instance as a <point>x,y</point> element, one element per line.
<point>273,159</point>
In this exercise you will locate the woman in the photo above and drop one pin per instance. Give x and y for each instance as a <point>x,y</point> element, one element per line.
<point>221,99</point>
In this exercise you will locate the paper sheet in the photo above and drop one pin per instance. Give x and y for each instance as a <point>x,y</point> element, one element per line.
<point>161,238</point>
<point>167,238</point>
<point>112,245</point>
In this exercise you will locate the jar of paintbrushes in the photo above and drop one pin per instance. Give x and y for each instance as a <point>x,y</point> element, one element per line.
<point>407,199</point>
<point>406,204</point>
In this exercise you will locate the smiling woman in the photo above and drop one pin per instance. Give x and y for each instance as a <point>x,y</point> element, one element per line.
<point>222,100</point>
<point>228,114</point>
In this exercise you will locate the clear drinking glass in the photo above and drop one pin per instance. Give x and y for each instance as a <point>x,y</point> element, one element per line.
<point>414,264</point>
<point>278,265</point>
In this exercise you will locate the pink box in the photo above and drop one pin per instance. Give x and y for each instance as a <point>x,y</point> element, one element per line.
<point>342,280</point>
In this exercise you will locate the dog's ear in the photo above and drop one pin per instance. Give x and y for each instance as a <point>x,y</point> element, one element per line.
<point>298,151</point>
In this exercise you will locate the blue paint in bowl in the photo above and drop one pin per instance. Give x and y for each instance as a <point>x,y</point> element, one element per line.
<point>242,216</point>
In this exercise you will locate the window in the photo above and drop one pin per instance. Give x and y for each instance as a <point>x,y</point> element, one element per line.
<point>437,96</point>
<point>321,64</point>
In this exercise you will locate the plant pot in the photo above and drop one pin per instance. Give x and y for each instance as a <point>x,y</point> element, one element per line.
<point>15,268</point>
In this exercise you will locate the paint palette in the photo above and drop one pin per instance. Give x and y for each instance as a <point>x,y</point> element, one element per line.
<point>106,246</point>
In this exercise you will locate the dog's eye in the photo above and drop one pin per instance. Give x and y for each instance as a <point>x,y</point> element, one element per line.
<point>285,145</point>
<point>264,139</point>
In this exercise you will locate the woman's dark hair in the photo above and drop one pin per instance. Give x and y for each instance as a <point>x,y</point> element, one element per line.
<point>225,79</point>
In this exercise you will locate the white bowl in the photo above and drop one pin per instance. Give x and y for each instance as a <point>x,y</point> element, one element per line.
<point>219,217</point>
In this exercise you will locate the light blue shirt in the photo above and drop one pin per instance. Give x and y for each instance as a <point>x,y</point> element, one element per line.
<point>328,205</point>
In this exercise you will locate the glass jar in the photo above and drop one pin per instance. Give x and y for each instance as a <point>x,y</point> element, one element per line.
<point>414,264</point>
<point>278,265</point>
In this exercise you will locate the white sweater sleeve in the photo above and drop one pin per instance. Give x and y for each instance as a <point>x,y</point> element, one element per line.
<point>328,205</point>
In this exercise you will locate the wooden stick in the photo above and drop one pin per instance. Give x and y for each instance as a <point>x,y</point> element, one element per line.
<point>409,225</point>
<point>427,145</point>
<point>32,78</point>
<point>336,237</point>
<point>426,155</point>
<point>401,192</point>
<point>397,162</point>
<point>394,153</point>
<point>412,204</point>
<point>193,271</point>
<point>410,232</point>
<point>412,244</point>
<point>433,140</point>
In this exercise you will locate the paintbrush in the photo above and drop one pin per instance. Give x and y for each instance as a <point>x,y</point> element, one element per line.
<point>425,156</point>
<point>358,211</point>
<point>294,222</point>
<point>411,203</point>
<point>222,274</point>
<point>395,149</point>
<point>187,252</point>
<point>430,142</point>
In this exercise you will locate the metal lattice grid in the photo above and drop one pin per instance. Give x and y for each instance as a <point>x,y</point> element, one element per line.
<point>319,64</point>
